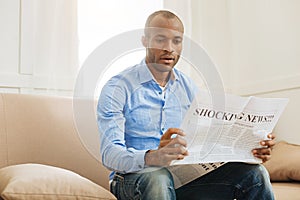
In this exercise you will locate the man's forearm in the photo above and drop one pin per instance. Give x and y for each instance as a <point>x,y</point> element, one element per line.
<point>123,161</point>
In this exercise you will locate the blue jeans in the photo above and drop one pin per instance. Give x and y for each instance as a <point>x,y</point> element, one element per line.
<point>230,181</point>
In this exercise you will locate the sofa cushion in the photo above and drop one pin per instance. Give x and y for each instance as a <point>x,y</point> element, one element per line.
<point>284,164</point>
<point>42,129</point>
<point>36,181</point>
<point>286,190</point>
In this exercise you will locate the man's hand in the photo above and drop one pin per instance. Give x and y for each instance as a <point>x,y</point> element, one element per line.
<point>169,149</point>
<point>264,153</point>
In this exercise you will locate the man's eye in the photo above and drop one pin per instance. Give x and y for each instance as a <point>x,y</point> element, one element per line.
<point>177,41</point>
<point>160,40</point>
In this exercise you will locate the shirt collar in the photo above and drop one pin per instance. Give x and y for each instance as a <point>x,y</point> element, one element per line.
<point>146,75</point>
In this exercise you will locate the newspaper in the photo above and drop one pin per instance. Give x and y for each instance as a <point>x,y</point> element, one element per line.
<point>224,128</point>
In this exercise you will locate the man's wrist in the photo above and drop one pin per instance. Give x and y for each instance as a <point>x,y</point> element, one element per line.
<point>148,158</point>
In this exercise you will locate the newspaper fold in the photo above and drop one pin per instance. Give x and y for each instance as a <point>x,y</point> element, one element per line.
<point>224,128</point>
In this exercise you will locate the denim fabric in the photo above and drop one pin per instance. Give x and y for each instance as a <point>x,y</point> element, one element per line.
<point>231,181</point>
<point>149,184</point>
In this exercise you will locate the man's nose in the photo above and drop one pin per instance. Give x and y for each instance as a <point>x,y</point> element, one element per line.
<point>168,46</point>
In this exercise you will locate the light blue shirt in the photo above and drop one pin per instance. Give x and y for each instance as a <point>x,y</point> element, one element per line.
<point>134,112</point>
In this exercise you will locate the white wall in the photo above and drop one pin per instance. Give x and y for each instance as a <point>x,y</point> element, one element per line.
<point>266,45</point>
<point>266,56</point>
<point>256,46</point>
<point>212,30</point>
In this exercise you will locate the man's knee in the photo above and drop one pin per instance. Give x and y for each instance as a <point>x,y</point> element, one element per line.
<point>156,177</point>
<point>256,182</point>
<point>151,183</point>
<point>260,175</point>
<point>156,183</point>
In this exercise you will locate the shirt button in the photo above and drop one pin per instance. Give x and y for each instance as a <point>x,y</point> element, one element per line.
<point>162,129</point>
<point>159,92</point>
<point>163,109</point>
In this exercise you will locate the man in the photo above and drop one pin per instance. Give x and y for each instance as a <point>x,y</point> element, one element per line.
<point>142,107</point>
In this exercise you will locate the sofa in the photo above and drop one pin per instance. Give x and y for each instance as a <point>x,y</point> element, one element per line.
<point>42,156</point>
<point>284,170</point>
<point>45,155</point>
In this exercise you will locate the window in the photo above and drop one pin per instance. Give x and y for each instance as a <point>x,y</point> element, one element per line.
<point>98,21</point>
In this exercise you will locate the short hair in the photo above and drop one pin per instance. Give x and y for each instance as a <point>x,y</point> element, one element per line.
<point>165,13</point>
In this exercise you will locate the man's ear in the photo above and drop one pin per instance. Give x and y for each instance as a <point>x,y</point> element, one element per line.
<point>145,41</point>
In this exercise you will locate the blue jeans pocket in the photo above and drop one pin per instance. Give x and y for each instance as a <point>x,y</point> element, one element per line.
<point>123,190</point>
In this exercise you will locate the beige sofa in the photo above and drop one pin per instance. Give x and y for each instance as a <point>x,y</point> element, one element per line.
<point>42,156</point>
<point>40,129</point>
<point>284,170</point>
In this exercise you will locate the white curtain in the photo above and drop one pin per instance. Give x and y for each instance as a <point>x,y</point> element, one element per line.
<point>49,45</point>
<point>99,21</point>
